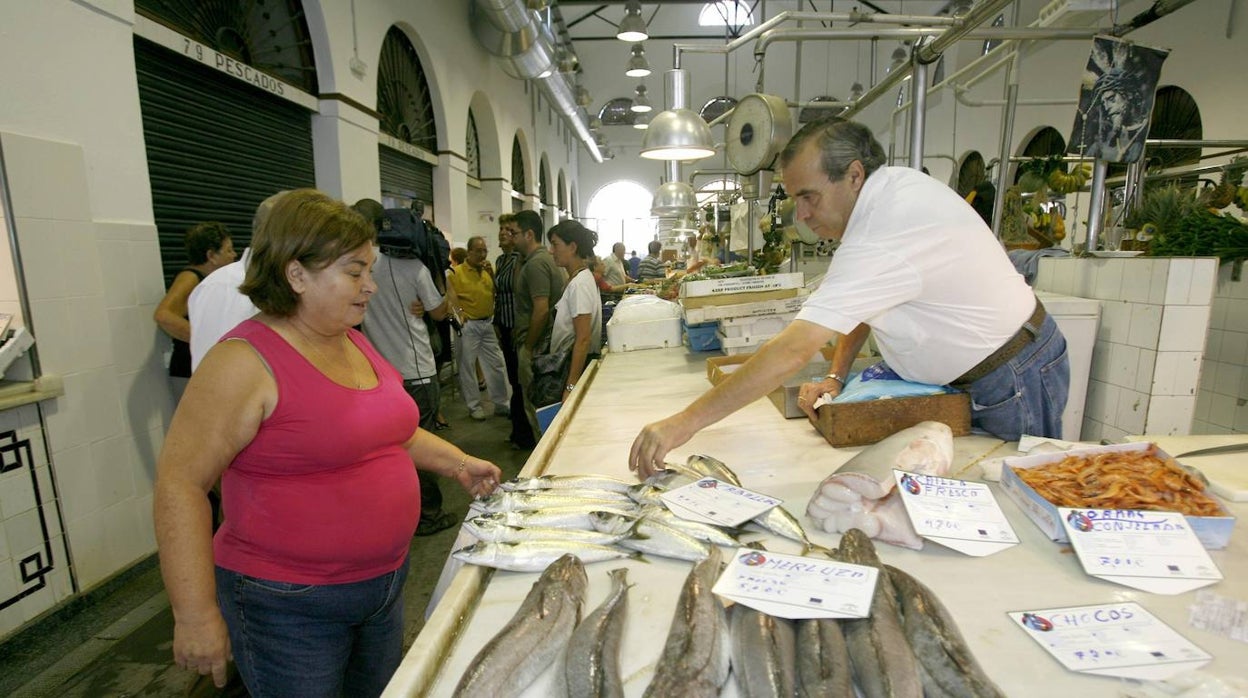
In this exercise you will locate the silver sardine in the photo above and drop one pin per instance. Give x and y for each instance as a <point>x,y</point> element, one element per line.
<point>650,537</point>
<point>559,517</point>
<point>535,556</point>
<point>702,531</point>
<point>544,499</point>
<point>493,531</point>
<point>711,467</point>
<point>561,482</point>
<point>592,662</point>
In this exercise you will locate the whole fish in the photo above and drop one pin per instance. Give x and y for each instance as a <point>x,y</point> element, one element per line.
<point>884,664</point>
<point>592,662</point>
<point>646,495</point>
<point>535,556</point>
<point>561,482</point>
<point>702,531</point>
<point>764,654</point>
<point>779,521</point>
<point>823,669</point>
<point>559,517</point>
<point>711,467</point>
<point>533,638</point>
<point>937,642</point>
<point>544,499</point>
<point>648,536</point>
<point>669,478</point>
<point>492,531</point>
<point>696,655</point>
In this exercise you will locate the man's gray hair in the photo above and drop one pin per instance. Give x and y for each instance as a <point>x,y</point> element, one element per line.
<point>262,212</point>
<point>840,142</point>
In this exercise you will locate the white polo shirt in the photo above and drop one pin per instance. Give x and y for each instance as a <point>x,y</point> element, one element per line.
<point>216,307</point>
<point>918,265</point>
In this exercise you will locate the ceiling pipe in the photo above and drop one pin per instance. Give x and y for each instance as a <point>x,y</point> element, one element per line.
<point>508,30</point>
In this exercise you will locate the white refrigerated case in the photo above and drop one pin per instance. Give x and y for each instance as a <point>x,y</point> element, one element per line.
<point>1078,319</point>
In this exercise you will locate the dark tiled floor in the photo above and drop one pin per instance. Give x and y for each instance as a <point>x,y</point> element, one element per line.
<point>118,642</point>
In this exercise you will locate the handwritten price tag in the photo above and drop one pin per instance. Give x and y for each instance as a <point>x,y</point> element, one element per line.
<point>791,586</point>
<point>955,513</point>
<point>1122,640</point>
<point>1155,551</point>
<point>717,502</point>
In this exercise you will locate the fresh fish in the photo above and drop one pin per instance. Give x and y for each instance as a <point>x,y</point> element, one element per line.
<point>764,654</point>
<point>884,664</point>
<point>535,556</point>
<point>650,537</point>
<point>937,642</point>
<point>696,655</point>
<point>491,531</point>
<point>561,482</point>
<point>862,493</point>
<point>702,531</point>
<point>544,499</point>
<point>779,521</point>
<point>670,479</point>
<point>646,495</point>
<point>710,467</point>
<point>533,638</point>
<point>559,517</point>
<point>592,661</point>
<point>823,669</point>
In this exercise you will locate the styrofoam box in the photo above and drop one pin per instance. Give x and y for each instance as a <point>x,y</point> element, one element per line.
<point>1214,532</point>
<point>741,284</point>
<point>711,313</point>
<point>768,325</point>
<point>653,334</point>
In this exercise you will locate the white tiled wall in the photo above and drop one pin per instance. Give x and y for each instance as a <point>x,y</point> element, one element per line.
<point>1147,361</point>
<point>1222,403</point>
<point>92,287</point>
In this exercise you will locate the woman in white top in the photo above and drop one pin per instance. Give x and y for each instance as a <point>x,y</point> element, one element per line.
<point>578,314</point>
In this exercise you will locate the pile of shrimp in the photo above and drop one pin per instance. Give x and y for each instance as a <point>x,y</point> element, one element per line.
<point>1121,480</point>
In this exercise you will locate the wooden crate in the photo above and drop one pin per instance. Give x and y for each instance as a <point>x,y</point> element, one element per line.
<point>862,423</point>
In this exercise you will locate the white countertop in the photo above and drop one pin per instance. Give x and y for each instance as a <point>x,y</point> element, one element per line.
<point>788,458</point>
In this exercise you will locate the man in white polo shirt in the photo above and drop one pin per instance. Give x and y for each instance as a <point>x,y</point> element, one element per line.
<point>916,266</point>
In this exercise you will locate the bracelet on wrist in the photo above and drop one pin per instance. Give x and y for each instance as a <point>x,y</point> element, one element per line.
<point>834,376</point>
<point>570,387</point>
<point>463,462</point>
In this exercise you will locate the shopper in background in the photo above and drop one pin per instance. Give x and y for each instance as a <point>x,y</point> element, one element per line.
<point>538,289</point>
<point>919,265</point>
<point>508,266</point>
<point>321,496</point>
<point>578,314</point>
<point>473,284</point>
<point>634,265</point>
<point>613,266</point>
<point>395,324</point>
<point>652,267</point>
<point>216,306</point>
<point>208,248</point>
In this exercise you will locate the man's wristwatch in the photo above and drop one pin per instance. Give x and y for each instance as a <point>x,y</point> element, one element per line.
<point>833,375</point>
<point>570,387</point>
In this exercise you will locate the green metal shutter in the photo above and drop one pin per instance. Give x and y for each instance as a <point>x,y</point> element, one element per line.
<point>404,175</point>
<point>216,148</point>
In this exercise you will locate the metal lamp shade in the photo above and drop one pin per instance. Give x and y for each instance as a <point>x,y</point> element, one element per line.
<point>673,199</point>
<point>677,134</point>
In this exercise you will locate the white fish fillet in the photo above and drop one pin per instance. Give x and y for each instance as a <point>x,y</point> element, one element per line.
<point>862,492</point>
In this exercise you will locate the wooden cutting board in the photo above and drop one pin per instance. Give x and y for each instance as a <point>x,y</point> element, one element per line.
<point>1227,472</point>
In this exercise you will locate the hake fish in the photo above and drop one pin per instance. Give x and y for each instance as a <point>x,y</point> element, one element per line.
<point>592,662</point>
<point>493,531</point>
<point>823,669</point>
<point>946,659</point>
<point>535,556</point>
<point>561,482</point>
<point>696,655</point>
<point>650,537</point>
<point>533,638</point>
<point>764,653</point>
<point>884,664</point>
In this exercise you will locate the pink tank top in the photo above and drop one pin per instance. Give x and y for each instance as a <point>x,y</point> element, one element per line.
<point>324,493</point>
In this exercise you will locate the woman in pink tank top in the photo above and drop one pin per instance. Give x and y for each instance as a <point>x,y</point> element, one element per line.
<point>314,440</point>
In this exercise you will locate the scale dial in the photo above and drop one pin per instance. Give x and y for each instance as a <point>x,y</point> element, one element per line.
<point>758,129</point>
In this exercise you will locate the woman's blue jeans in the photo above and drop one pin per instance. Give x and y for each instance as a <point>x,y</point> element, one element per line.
<point>1028,393</point>
<point>314,640</point>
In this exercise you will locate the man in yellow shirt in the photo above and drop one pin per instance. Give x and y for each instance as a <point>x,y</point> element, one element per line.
<point>472,285</point>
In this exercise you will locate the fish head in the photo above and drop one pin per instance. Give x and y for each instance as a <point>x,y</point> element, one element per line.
<point>491,504</point>
<point>477,553</point>
<point>570,571</point>
<point>610,522</point>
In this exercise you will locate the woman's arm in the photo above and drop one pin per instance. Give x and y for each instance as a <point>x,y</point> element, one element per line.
<point>225,401</point>
<point>170,315</point>
<point>436,455</point>
<point>580,350</point>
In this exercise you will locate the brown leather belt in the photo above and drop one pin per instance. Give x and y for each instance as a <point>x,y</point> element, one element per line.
<point>1025,335</point>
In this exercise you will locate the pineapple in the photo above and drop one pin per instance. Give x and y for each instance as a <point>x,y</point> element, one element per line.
<point>1224,193</point>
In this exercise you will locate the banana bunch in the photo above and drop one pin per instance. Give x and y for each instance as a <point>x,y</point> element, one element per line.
<point>1067,182</point>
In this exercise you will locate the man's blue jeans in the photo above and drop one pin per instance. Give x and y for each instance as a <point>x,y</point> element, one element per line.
<point>314,640</point>
<point>1028,393</point>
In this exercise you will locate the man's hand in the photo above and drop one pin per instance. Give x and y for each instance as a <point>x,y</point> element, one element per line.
<point>809,392</point>
<point>654,442</point>
<point>203,647</point>
<point>417,309</point>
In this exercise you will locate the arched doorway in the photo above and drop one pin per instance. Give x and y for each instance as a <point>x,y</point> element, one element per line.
<point>612,213</point>
<point>409,136</point>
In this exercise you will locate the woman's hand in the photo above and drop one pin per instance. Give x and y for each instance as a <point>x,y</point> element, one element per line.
<point>479,477</point>
<point>654,442</point>
<point>809,392</point>
<point>203,646</point>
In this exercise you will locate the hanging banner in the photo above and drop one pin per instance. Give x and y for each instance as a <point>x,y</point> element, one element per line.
<point>1116,100</point>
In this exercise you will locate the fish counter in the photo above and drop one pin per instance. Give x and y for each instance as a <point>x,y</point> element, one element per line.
<point>788,459</point>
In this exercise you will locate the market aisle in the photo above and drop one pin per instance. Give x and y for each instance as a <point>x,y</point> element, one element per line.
<point>119,643</point>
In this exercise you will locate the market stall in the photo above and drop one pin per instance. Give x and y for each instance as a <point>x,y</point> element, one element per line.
<point>787,459</point>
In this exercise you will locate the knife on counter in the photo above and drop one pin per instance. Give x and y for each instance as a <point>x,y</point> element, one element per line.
<point>1216,450</point>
